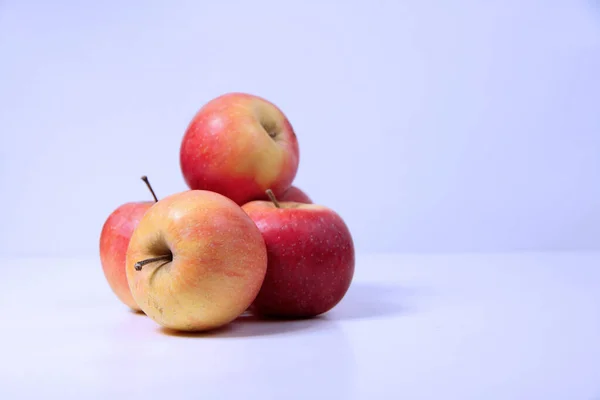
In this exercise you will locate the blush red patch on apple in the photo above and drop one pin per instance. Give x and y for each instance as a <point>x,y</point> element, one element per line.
<point>241,239</point>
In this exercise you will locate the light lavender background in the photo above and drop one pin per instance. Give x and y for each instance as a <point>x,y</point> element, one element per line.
<point>430,126</point>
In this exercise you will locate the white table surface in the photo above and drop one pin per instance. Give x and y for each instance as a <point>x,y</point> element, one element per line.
<point>522,326</point>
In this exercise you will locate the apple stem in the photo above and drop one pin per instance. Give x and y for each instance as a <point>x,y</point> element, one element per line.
<point>273,198</point>
<point>138,265</point>
<point>147,182</point>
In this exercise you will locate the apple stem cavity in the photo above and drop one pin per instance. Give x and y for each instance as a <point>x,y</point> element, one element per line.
<point>147,182</point>
<point>273,198</point>
<point>138,265</point>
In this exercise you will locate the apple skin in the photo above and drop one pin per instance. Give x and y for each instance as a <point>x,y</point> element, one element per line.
<point>219,261</point>
<point>114,240</point>
<point>310,259</point>
<point>228,148</point>
<point>295,194</point>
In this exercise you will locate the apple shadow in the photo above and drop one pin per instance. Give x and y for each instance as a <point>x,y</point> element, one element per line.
<point>248,325</point>
<point>362,301</point>
<point>373,300</point>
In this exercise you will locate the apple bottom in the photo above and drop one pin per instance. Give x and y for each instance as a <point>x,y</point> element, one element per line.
<point>310,261</point>
<point>238,188</point>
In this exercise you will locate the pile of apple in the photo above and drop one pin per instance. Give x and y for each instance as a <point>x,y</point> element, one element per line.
<point>242,239</point>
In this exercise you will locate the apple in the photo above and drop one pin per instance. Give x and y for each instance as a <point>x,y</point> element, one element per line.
<point>310,258</point>
<point>196,261</point>
<point>239,145</point>
<point>114,239</point>
<point>295,194</point>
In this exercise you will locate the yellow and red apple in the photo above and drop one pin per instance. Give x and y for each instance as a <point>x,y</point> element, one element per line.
<point>196,261</point>
<point>239,145</point>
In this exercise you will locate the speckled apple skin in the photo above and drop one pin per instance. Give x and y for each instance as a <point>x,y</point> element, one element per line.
<point>310,259</point>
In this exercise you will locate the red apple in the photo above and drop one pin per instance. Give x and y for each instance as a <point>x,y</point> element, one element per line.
<point>196,261</point>
<point>239,145</point>
<point>114,239</point>
<point>295,194</point>
<point>310,258</point>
